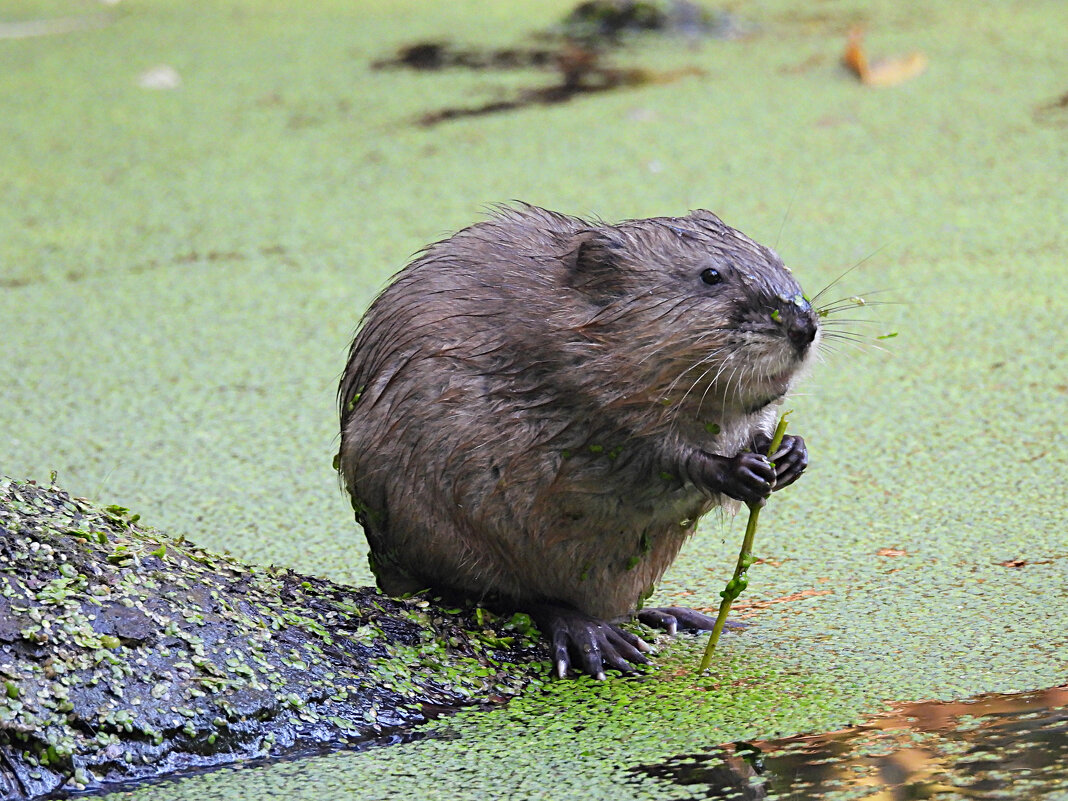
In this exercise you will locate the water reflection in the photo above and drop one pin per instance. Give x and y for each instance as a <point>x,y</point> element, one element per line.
<point>993,746</point>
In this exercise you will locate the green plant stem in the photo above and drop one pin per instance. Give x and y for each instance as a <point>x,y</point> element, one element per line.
<point>745,558</point>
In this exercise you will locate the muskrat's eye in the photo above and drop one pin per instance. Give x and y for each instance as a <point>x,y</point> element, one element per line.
<point>711,276</point>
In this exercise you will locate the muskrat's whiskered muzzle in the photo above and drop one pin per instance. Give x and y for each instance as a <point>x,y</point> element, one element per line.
<point>836,330</point>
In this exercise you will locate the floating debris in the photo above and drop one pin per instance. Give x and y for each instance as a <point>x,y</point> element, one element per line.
<point>891,552</point>
<point>439,55</point>
<point>160,77</point>
<point>884,72</point>
<point>580,73</point>
<point>611,20</point>
<point>1055,111</point>
<point>576,51</point>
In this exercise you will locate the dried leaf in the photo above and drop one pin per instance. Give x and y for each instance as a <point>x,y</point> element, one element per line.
<point>751,605</point>
<point>771,562</point>
<point>853,58</point>
<point>884,72</point>
<point>891,552</point>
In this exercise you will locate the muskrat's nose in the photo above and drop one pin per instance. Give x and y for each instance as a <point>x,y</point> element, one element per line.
<point>801,329</point>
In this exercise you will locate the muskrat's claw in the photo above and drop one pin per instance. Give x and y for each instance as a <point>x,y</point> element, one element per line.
<point>747,477</point>
<point>673,618</point>
<point>596,644</point>
<point>790,459</point>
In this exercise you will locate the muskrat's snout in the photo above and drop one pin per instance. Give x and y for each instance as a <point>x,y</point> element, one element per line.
<point>801,324</point>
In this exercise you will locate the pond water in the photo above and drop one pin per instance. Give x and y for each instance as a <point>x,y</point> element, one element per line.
<point>991,746</point>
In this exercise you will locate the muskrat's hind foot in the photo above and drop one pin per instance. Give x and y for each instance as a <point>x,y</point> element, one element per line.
<point>596,645</point>
<point>673,618</point>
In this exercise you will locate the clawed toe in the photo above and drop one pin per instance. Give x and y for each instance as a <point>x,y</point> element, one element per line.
<point>582,643</point>
<point>585,643</point>
<point>674,618</point>
<point>659,619</point>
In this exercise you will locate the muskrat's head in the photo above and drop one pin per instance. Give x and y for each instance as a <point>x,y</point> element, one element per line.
<point>698,314</point>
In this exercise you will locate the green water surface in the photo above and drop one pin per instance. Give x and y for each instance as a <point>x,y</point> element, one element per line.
<point>181,271</point>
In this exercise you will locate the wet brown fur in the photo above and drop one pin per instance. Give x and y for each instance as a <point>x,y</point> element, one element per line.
<point>522,402</point>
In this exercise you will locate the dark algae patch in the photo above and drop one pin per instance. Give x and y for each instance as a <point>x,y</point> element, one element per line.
<point>996,746</point>
<point>125,654</point>
<point>576,51</point>
<point>580,71</point>
<point>611,20</point>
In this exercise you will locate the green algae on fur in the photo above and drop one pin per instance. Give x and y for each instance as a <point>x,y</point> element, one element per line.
<point>125,654</point>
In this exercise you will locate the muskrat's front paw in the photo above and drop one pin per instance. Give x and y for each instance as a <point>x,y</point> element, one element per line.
<point>594,644</point>
<point>747,477</point>
<point>790,459</point>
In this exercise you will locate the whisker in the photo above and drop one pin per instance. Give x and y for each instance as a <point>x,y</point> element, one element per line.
<point>851,321</point>
<point>844,332</point>
<point>679,341</point>
<point>704,395</point>
<point>827,311</point>
<point>855,340</point>
<point>786,216</point>
<point>700,378</point>
<point>860,343</point>
<point>865,294</point>
<point>819,294</point>
<point>857,301</point>
<point>700,363</point>
<point>686,394</point>
<point>676,408</point>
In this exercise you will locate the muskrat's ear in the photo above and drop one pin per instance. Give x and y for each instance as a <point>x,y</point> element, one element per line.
<point>592,263</point>
<point>709,220</point>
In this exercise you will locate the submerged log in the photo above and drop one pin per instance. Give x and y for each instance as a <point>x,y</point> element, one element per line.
<point>125,654</point>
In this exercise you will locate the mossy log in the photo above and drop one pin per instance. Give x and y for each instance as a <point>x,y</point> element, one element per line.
<point>125,654</point>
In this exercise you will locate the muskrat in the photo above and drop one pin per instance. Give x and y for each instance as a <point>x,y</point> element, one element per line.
<point>537,410</point>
